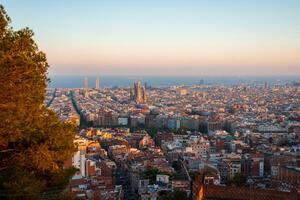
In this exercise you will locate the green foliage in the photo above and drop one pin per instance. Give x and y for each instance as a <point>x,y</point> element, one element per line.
<point>239,180</point>
<point>193,175</point>
<point>34,143</point>
<point>182,131</point>
<point>152,131</point>
<point>151,174</point>
<point>175,195</point>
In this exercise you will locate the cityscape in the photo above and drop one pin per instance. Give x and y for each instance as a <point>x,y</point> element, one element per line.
<point>150,100</point>
<point>247,135</point>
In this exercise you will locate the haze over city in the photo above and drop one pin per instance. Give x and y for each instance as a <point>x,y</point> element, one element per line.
<point>171,37</point>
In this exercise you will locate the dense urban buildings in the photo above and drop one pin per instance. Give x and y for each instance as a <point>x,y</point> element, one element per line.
<point>138,145</point>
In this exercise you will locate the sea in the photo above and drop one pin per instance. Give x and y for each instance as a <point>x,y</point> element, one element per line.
<point>64,81</point>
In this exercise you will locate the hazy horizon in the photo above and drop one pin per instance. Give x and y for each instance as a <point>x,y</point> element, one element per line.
<point>172,37</point>
<point>77,81</point>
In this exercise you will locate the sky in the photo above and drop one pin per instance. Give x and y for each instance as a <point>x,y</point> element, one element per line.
<point>164,37</point>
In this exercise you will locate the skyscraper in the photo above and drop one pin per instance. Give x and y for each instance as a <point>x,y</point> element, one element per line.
<point>86,87</point>
<point>97,87</point>
<point>266,86</point>
<point>144,95</point>
<point>131,94</point>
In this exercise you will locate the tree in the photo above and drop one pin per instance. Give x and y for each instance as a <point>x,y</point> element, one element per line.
<point>175,195</point>
<point>34,143</point>
<point>152,173</point>
<point>239,180</point>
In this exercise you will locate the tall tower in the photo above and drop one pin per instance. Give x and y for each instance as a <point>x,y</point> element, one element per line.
<point>266,86</point>
<point>144,94</point>
<point>97,83</point>
<point>139,93</point>
<point>86,87</point>
<point>131,94</point>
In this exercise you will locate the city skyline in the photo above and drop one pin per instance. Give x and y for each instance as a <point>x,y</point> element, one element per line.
<point>164,37</point>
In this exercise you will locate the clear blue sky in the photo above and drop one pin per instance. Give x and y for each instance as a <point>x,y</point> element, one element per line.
<point>164,37</point>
